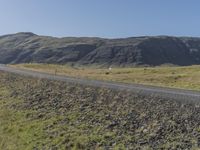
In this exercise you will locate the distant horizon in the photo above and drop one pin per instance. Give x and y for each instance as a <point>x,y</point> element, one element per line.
<point>101,37</point>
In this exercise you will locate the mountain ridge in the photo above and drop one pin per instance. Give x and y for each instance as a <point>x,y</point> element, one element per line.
<point>27,47</point>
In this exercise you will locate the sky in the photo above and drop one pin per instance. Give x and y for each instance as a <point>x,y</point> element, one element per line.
<point>101,18</point>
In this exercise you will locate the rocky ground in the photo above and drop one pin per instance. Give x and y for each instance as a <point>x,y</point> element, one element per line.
<point>74,116</point>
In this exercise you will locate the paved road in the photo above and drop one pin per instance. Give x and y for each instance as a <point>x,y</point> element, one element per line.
<point>171,93</point>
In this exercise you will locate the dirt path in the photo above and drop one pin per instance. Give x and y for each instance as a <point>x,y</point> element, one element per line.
<point>177,94</point>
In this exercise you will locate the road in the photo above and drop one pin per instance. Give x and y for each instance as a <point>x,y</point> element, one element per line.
<point>178,94</point>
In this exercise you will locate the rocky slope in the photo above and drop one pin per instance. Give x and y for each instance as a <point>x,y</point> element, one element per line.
<point>153,51</point>
<point>42,114</point>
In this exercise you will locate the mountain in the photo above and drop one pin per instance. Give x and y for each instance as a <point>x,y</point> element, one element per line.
<point>147,50</point>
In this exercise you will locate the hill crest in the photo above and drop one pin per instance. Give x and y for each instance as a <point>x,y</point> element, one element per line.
<point>27,47</point>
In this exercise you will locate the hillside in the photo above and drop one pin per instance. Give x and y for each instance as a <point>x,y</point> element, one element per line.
<point>43,114</point>
<point>153,51</point>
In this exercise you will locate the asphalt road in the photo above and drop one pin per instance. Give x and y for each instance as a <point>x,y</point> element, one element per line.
<point>178,94</point>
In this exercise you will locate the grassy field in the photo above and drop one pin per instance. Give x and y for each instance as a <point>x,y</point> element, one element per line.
<point>31,117</point>
<point>178,77</point>
<point>43,114</point>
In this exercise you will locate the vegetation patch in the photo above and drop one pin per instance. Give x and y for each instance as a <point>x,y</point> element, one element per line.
<point>177,77</point>
<point>44,114</point>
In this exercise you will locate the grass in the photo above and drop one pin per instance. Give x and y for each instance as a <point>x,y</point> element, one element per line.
<point>176,77</point>
<point>21,128</point>
<point>45,114</point>
<point>17,130</point>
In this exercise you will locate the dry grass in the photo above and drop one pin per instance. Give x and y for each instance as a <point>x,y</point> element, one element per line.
<point>178,77</point>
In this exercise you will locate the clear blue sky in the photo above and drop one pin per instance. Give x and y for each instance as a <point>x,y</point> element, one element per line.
<point>102,18</point>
